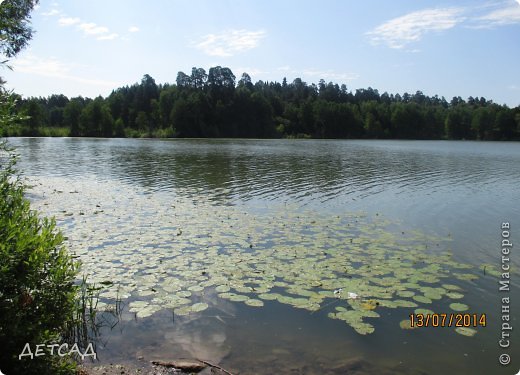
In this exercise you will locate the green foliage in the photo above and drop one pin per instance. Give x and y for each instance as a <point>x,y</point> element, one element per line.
<point>95,119</point>
<point>10,119</point>
<point>37,294</point>
<point>213,105</point>
<point>15,31</point>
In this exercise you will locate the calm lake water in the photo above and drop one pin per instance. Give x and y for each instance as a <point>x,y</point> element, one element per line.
<point>154,211</point>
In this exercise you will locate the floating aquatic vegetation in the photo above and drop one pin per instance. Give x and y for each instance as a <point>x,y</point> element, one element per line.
<point>164,252</point>
<point>490,269</point>
<point>423,312</point>
<point>458,307</point>
<point>470,332</point>
<point>454,295</point>
<point>451,287</point>
<point>254,302</point>
<point>422,299</point>
<point>199,306</point>
<point>406,324</point>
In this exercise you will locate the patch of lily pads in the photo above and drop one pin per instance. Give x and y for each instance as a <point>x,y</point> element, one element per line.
<point>169,252</point>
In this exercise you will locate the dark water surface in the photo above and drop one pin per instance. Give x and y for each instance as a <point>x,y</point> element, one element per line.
<point>458,191</point>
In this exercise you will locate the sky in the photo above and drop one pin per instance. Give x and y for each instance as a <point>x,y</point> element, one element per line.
<point>446,48</point>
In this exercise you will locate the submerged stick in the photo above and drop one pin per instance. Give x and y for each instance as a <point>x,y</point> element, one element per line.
<point>215,366</point>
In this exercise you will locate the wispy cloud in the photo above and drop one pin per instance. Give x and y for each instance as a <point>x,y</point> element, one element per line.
<point>50,13</point>
<point>506,15</point>
<point>51,67</point>
<point>68,21</point>
<point>229,42</point>
<point>88,28</point>
<point>133,29</point>
<point>400,31</point>
<point>91,28</point>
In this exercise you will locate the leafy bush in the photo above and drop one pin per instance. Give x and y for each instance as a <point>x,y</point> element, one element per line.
<point>37,292</point>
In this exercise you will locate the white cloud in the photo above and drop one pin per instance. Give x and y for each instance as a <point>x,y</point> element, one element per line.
<point>229,42</point>
<point>400,31</point>
<point>134,29</point>
<point>52,67</point>
<point>504,16</point>
<point>68,21</point>
<point>52,12</point>
<point>91,28</point>
<point>88,28</point>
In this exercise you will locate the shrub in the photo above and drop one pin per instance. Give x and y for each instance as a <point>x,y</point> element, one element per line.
<point>37,292</point>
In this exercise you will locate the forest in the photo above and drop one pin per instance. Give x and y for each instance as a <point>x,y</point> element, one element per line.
<point>215,104</point>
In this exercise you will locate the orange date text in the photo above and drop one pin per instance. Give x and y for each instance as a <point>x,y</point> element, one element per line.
<point>448,320</point>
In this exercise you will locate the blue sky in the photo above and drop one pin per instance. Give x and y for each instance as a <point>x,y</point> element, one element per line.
<point>89,48</point>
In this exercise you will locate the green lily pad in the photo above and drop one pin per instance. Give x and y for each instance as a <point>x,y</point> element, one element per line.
<point>458,307</point>
<point>423,312</point>
<point>405,293</point>
<point>422,299</point>
<point>254,302</point>
<point>198,307</point>
<point>291,261</point>
<point>222,288</point>
<point>406,324</point>
<point>465,331</point>
<point>454,295</point>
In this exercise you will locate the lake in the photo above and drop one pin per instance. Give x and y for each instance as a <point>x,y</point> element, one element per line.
<point>289,256</point>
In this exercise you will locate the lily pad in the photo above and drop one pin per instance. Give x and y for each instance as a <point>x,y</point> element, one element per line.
<point>406,324</point>
<point>423,312</point>
<point>370,264</point>
<point>198,307</point>
<point>465,331</point>
<point>454,295</point>
<point>458,307</point>
<point>254,302</point>
<point>422,299</point>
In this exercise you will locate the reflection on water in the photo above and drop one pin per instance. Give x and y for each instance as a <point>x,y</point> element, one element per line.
<point>462,190</point>
<point>309,172</point>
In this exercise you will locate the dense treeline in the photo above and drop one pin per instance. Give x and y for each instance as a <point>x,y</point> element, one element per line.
<point>214,104</point>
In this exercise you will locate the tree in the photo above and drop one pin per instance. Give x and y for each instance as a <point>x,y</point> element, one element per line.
<point>71,114</point>
<point>505,125</point>
<point>95,119</point>
<point>35,112</point>
<point>198,78</point>
<point>458,123</point>
<point>183,80</point>
<point>221,82</point>
<point>482,122</point>
<point>245,81</point>
<point>15,30</point>
<point>188,119</point>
